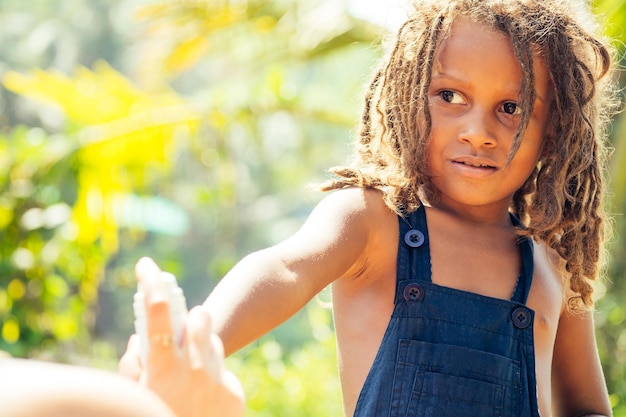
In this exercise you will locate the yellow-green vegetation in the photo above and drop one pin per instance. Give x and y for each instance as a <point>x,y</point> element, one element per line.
<point>188,131</point>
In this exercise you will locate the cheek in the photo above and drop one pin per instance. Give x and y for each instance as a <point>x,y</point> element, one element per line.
<point>431,146</point>
<point>444,129</point>
<point>525,162</point>
<point>533,145</point>
<point>438,140</point>
<point>433,160</point>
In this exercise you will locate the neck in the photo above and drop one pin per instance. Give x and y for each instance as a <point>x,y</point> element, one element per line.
<point>493,215</point>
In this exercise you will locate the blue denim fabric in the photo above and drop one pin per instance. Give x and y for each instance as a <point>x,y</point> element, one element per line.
<point>448,352</point>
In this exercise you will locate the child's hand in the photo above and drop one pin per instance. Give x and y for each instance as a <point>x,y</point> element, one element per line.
<point>192,380</point>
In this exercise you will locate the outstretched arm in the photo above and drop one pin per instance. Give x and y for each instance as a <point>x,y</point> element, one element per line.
<point>267,287</point>
<point>262,291</point>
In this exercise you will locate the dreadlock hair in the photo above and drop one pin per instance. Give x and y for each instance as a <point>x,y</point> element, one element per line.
<point>561,203</point>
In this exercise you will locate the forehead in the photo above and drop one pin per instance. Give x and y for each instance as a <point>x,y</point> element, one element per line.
<point>470,45</point>
<point>477,51</point>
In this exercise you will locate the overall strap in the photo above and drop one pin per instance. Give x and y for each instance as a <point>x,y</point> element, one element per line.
<point>526,275</point>
<point>414,254</point>
<point>413,248</point>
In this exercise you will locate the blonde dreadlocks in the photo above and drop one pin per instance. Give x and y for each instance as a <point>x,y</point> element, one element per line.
<point>561,203</point>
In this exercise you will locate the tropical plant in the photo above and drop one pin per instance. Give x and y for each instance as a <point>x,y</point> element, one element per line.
<point>220,117</point>
<point>151,117</point>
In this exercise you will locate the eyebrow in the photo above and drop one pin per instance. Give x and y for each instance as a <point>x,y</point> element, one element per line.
<point>442,74</point>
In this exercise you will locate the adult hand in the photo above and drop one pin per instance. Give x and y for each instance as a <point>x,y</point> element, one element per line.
<point>190,378</point>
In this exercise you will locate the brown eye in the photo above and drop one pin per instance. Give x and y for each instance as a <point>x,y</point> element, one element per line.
<point>447,95</point>
<point>511,108</point>
<point>450,96</point>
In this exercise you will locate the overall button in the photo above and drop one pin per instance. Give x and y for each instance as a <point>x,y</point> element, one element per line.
<point>414,238</point>
<point>413,292</point>
<point>521,317</point>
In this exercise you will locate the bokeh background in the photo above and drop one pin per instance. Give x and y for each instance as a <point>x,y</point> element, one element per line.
<point>191,131</point>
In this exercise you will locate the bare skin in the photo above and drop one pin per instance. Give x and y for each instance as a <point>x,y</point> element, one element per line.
<point>359,335</point>
<point>363,297</point>
<point>189,378</point>
<point>188,381</point>
<point>32,388</point>
<point>351,238</point>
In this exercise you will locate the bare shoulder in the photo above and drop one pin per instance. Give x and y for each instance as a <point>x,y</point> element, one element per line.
<point>370,239</point>
<point>547,295</point>
<point>550,272</point>
<point>361,221</point>
<point>354,203</point>
<point>550,269</point>
<point>336,240</point>
<point>345,219</point>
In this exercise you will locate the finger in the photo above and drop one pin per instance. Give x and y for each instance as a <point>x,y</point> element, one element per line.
<point>233,384</point>
<point>216,358</point>
<point>130,363</point>
<point>159,327</point>
<point>198,331</point>
<point>215,351</point>
<point>205,348</point>
<point>216,344</point>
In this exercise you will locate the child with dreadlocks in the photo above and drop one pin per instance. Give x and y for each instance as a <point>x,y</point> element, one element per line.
<point>463,241</point>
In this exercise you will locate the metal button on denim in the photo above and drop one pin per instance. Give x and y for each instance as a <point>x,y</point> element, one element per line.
<point>413,292</point>
<point>521,317</point>
<point>414,238</point>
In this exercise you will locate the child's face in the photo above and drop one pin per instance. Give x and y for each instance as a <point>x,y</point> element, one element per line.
<point>475,104</point>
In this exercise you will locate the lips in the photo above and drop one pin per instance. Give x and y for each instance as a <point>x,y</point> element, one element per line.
<point>475,162</point>
<point>474,168</point>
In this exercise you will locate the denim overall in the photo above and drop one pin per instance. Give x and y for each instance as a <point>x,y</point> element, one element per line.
<point>448,352</point>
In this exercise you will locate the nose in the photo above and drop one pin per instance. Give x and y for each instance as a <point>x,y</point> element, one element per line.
<point>478,129</point>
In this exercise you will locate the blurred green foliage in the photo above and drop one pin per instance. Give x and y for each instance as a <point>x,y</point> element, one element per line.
<point>303,380</point>
<point>207,113</point>
<point>611,310</point>
<point>187,131</point>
